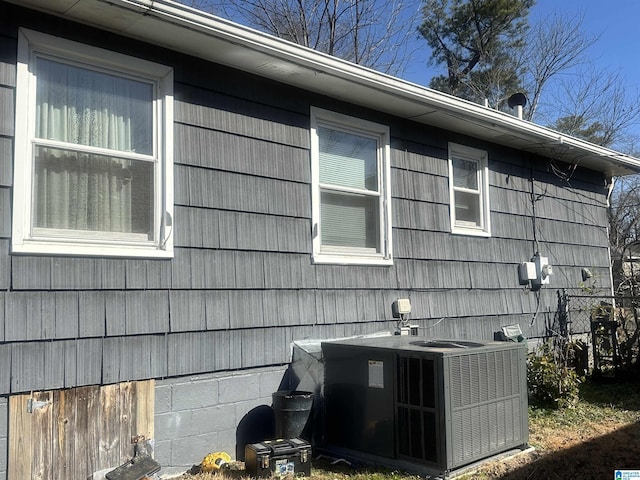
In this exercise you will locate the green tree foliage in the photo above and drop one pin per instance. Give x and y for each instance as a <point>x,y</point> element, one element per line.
<point>577,126</point>
<point>479,41</point>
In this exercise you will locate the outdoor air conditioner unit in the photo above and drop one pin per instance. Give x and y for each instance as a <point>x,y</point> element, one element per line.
<point>423,405</point>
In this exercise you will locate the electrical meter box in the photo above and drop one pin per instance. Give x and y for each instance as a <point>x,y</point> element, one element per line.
<point>278,458</point>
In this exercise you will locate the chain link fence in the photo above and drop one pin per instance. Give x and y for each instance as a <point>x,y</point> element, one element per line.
<point>612,325</point>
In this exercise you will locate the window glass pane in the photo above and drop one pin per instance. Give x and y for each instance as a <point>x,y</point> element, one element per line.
<point>86,107</point>
<point>77,191</point>
<point>350,220</point>
<point>467,208</point>
<point>465,174</point>
<point>348,160</point>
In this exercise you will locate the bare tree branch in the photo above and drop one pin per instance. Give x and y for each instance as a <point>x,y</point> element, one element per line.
<point>372,33</point>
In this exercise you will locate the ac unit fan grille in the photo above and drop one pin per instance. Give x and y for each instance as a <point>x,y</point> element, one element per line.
<point>483,407</point>
<point>485,400</point>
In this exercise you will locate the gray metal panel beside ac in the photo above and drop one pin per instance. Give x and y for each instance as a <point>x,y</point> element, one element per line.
<point>450,402</point>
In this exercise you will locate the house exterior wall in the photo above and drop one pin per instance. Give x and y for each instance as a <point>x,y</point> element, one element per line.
<point>4,435</point>
<point>242,286</point>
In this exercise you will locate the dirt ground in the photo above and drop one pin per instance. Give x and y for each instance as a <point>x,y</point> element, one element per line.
<point>592,451</point>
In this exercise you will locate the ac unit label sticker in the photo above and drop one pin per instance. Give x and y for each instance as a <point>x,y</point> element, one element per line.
<point>376,374</point>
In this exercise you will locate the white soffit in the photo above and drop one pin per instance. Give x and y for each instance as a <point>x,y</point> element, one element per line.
<point>180,28</point>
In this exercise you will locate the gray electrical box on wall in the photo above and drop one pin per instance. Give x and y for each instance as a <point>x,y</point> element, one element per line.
<point>435,406</point>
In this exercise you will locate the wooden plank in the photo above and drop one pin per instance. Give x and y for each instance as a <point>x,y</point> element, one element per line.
<point>144,402</point>
<point>124,423</point>
<point>76,432</point>
<point>42,461</point>
<point>20,447</point>
<point>109,443</point>
<point>63,439</point>
<point>87,434</point>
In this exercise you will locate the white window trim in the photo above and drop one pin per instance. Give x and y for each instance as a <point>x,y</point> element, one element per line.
<point>482,158</point>
<point>350,256</point>
<point>31,43</point>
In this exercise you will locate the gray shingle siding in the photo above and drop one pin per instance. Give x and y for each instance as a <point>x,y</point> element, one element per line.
<point>242,285</point>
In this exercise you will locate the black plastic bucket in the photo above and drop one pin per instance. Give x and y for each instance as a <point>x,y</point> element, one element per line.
<point>292,409</point>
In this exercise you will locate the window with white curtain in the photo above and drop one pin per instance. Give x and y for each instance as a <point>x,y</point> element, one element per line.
<point>469,190</point>
<point>93,150</point>
<point>351,196</point>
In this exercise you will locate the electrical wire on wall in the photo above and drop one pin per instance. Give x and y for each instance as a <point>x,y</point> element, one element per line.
<point>536,245</point>
<point>565,175</point>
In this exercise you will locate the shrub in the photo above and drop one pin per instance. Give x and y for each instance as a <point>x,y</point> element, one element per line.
<point>551,382</point>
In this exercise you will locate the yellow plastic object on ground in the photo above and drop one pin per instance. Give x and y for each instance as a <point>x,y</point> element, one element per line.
<point>215,461</point>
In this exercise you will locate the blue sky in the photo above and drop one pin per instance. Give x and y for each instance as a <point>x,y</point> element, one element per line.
<point>616,21</point>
